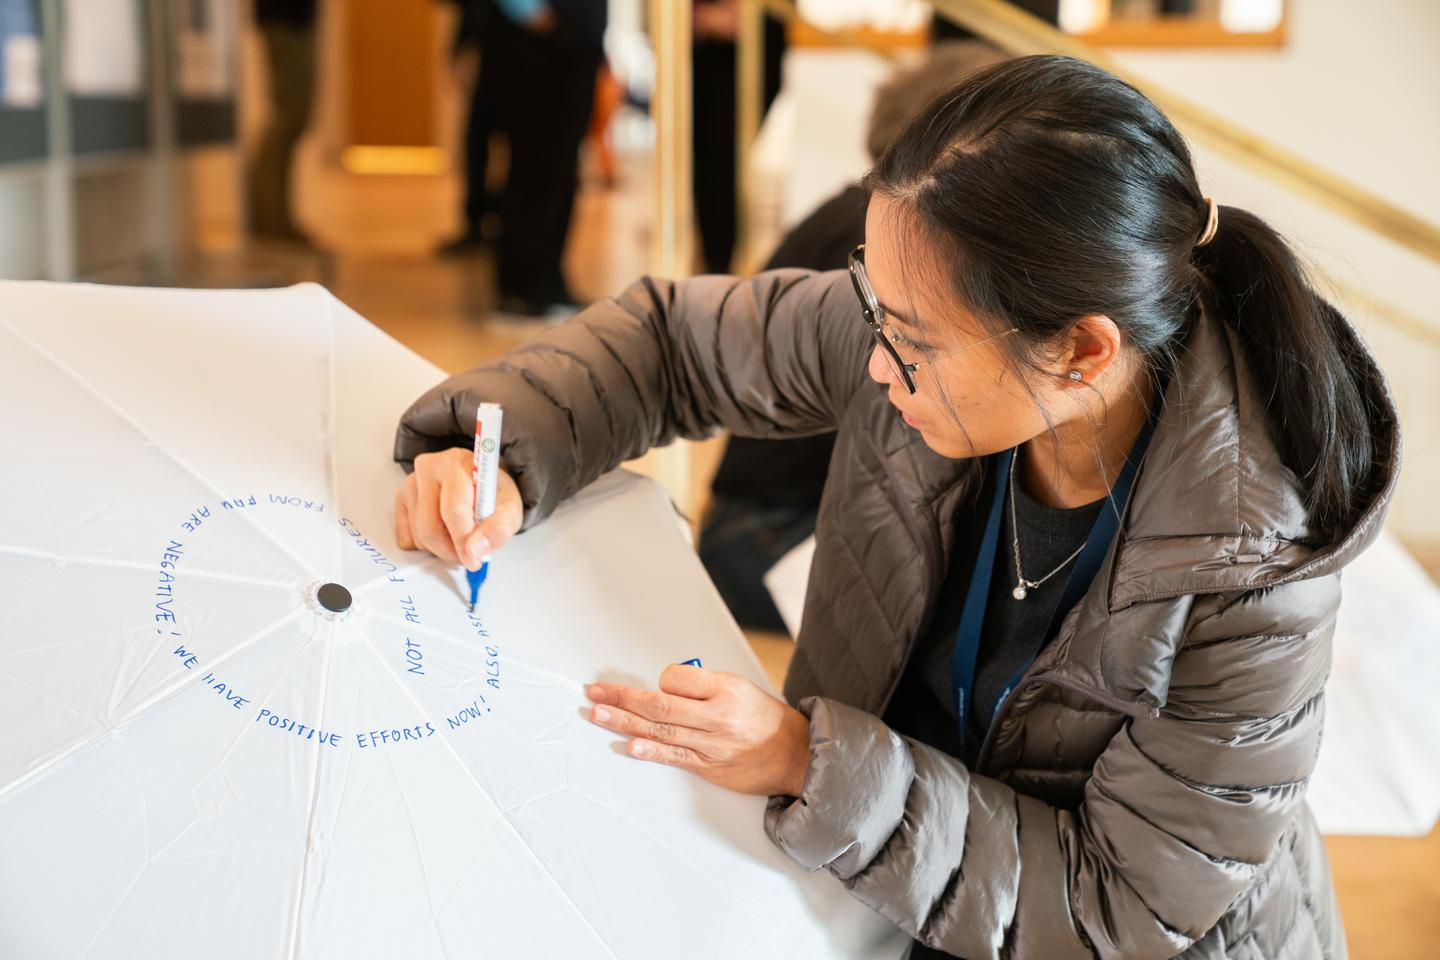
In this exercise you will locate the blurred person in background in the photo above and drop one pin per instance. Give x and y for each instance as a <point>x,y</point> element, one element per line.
<point>544,56</point>
<point>470,56</point>
<point>715,26</point>
<point>287,30</point>
<point>766,493</point>
<point>943,31</point>
<point>610,96</point>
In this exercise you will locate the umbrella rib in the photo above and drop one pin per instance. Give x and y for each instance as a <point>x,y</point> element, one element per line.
<point>332,475</point>
<point>380,581</point>
<point>419,857</point>
<point>144,823</point>
<point>148,568</point>
<point>537,673</point>
<point>59,703</point>
<point>504,816</point>
<point>314,805</point>
<point>541,672</point>
<point>516,564</point>
<point>235,651</point>
<point>506,812</point>
<point>90,388</point>
<point>479,845</point>
<point>114,911</point>
<point>33,585</point>
<point>640,827</point>
<point>157,697</point>
<point>230,748</point>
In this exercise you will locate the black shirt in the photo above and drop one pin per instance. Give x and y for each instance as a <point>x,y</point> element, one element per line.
<point>1014,631</point>
<point>792,472</point>
<point>290,13</point>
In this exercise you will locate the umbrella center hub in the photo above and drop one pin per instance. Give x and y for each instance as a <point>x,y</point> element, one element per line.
<point>334,597</point>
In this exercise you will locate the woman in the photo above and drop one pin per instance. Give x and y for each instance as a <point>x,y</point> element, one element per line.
<point>1059,688</point>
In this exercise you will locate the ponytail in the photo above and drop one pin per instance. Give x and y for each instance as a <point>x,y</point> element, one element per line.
<point>1302,348</point>
<point>1062,191</point>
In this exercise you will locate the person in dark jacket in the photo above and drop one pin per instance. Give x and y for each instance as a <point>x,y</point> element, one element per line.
<point>715,26</point>
<point>481,122</point>
<point>942,30</point>
<point>766,493</point>
<point>1102,453</point>
<point>287,28</point>
<point>544,56</point>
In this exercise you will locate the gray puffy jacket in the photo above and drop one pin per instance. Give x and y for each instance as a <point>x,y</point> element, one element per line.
<point>1142,792</point>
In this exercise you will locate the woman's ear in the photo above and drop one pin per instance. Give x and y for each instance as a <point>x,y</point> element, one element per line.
<point>1089,349</point>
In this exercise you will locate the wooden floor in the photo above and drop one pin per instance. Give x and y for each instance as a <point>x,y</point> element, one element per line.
<point>382,231</point>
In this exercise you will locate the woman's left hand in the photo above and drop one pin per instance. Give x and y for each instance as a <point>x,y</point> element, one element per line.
<point>718,725</point>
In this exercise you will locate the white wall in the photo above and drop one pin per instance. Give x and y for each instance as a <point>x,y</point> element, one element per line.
<point>830,94</point>
<point>22,222</point>
<point>1356,90</point>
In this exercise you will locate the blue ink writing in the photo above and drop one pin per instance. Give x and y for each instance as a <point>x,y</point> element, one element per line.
<point>186,657</point>
<point>376,556</point>
<point>164,587</point>
<point>492,666</point>
<point>407,606</point>
<point>377,738</point>
<point>312,505</point>
<point>197,517</point>
<point>231,697</point>
<point>413,654</point>
<point>476,709</point>
<point>297,728</point>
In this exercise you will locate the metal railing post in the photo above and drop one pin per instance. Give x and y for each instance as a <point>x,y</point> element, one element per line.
<point>670,241</point>
<point>671,246</point>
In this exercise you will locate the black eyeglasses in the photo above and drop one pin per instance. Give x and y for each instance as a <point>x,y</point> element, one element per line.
<point>887,336</point>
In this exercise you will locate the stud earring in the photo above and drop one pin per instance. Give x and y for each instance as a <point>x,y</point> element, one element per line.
<point>1076,375</point>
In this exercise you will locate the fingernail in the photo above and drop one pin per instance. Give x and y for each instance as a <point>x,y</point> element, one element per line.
<point>479,547</point>
<point>602,715</point>
<point>640,748</point>
<point>592,692</point>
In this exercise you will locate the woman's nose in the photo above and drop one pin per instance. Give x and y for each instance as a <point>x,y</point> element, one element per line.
<point>880,367</point>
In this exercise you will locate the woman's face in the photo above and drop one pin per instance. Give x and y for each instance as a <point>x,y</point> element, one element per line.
<point>971,384</point>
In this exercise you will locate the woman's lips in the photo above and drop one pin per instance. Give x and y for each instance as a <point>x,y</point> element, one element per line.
<point>915,422</point>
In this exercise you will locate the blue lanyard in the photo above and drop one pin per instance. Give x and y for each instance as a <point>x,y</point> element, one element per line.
<point>1087,564</point>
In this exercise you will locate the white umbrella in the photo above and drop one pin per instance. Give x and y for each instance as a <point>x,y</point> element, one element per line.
<point>199,758</point>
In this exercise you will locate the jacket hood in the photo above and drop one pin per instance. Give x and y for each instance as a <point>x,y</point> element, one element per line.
<point>1214,508</point>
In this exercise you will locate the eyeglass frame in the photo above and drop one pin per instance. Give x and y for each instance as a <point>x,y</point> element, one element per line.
<point>875,317</point>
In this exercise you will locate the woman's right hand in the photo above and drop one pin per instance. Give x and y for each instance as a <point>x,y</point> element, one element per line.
<point>435,510</point>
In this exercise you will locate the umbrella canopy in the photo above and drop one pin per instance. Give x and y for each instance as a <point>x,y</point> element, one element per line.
<point>237,721</point>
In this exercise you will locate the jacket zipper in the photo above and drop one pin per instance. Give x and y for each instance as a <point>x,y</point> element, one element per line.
<point>1135,709</point>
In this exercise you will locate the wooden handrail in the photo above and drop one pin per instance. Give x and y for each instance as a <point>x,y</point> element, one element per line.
<point>1019,32</point>
<point>1016,30</point>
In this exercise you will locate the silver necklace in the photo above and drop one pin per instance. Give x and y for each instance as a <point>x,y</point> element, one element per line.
<point>1023,586</point>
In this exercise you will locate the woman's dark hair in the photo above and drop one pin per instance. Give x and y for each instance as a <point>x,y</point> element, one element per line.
<point>1054,190</point>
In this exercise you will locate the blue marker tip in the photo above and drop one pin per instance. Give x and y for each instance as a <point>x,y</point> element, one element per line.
<point>694,662</point>
<point>476,579</point>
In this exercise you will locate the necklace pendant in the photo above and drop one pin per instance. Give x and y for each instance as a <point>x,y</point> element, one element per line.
<point>1019,592</point>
